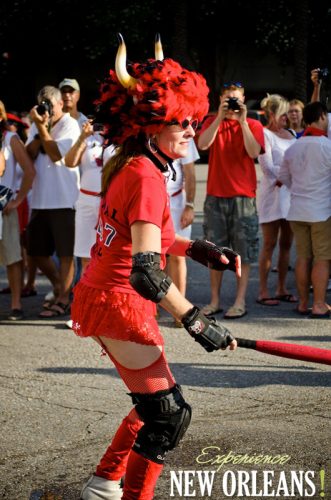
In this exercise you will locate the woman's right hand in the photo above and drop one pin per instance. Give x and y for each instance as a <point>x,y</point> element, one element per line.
<point>87,130</point>
<point>314,77</point>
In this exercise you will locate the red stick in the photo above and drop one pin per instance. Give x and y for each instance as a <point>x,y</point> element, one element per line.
<point>294,351</point>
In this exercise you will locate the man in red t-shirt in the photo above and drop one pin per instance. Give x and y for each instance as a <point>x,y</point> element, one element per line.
<point>230,216</point>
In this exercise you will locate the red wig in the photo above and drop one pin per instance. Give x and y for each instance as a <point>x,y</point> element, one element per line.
<point>163,92</point>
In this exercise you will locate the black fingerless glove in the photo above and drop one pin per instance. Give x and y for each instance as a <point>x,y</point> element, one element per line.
<point>209,255</point>
<point>208,332</point>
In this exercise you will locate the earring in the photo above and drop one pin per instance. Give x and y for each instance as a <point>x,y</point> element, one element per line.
<point>152,146</point>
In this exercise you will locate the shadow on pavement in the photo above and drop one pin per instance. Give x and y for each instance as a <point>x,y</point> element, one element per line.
<point>196,375</point>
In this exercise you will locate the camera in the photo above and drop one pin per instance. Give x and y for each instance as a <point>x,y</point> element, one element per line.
<point>45,107</point>
<point>233,104</point>
<point>98,127</point>
<point>323,73</point>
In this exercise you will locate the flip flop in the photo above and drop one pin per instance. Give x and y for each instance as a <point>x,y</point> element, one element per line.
<point>302,313</point>
<point>210,310</point>
<point>58,309</point>
<point>287,297</point>
<point>319,316</point>
<point>264,301</point>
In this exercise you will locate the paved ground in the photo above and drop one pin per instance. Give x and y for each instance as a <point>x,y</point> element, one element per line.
<point>61,401</point>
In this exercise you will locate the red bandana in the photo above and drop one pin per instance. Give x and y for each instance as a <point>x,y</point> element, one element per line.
<point>314,131</point>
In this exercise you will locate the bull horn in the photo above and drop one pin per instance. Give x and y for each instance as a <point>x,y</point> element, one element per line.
<point>120,65</point>
<point>158,48</point>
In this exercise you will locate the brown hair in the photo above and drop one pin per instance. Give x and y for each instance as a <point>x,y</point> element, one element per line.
<point>131,148</point>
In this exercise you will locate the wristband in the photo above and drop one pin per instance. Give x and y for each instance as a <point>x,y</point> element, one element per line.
<point>189,204</point>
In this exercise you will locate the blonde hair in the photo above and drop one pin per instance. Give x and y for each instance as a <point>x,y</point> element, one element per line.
<point>297,102</point>
<point>275,104</point>
<point>3,113</point>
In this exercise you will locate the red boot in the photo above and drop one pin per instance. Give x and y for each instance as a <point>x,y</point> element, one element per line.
<point>140,478</point>
<point>113,464</point>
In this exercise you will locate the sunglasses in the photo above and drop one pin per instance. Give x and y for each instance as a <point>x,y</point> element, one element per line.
<point>184,125</point>
<point>232,84</point>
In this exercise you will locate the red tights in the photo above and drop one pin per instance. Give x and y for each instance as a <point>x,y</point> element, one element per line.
<point>140,473</point>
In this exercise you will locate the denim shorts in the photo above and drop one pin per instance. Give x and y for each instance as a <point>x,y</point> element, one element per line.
<point>233,222</point>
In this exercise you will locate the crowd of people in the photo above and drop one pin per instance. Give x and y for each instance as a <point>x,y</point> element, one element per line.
<point>109,195</point>
<point>53,162</point>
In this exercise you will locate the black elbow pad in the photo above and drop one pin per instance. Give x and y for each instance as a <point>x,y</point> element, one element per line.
<point>147,278</point>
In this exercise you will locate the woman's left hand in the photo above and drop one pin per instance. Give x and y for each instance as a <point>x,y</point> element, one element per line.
<point>186,217</point>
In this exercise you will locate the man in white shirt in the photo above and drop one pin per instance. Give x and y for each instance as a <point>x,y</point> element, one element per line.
<point>54,193</point>
<point>306,171</point>
<point>70,91</point>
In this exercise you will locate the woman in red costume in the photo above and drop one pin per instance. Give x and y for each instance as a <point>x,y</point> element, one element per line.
<point>150,115</point>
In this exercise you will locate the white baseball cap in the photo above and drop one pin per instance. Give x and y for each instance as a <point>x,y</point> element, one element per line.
<point>69,82</point>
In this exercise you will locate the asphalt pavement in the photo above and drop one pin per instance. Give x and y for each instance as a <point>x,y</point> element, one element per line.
<point>260,426</point>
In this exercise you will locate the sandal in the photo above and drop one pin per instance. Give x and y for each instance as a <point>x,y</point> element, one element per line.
<point>235,312</point>
<point>58,309</point>
<point>287,297</point>
<point>268,301</point>
<point>210,310</point>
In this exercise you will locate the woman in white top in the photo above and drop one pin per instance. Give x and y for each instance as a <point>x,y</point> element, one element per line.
<point>14,153</point>
<point>274,201</point>
<point>88,153</point>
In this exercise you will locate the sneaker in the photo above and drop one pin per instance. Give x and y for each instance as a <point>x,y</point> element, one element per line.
<point>69,323</point>
<point>15,315</point>
<point>99,488</point>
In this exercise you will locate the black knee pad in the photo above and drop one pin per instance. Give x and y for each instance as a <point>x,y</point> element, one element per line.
<point>166,417</point>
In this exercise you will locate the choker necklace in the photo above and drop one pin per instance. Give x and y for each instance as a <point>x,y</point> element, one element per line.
<point>163,168</point>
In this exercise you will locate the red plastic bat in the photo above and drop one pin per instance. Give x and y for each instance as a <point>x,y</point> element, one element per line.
<point>294,351</point>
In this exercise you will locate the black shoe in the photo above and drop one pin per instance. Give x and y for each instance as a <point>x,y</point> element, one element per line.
<point>16,314</point>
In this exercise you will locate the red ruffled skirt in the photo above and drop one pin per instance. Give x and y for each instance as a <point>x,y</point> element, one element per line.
<point>117,315</point>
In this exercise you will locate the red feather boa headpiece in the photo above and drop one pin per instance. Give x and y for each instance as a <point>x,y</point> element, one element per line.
<point>164,92</point>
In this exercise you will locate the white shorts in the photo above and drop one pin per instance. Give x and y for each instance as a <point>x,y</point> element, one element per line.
<point>87,211</point>
<point>10,248</point>
<point>177,205</point>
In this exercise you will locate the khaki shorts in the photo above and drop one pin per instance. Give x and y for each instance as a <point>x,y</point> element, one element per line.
<point>233,222</point>
<point>312,239</point>
<point>10,249</point>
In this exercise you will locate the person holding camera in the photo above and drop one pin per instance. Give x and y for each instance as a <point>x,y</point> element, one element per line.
<point>317,77</point>
<point>230,216</point>
<point>306,171</point>
<point>54,194</point>
<point>88,153</point>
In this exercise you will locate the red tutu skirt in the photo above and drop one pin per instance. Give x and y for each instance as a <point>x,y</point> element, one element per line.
<point>117,315</point>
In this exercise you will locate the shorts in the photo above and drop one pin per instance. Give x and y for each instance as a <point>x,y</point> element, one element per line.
<point>10,248</point>
<point>177,205</point>
<point>312,239</point>
<point>117,315</point>
<point>233,222</point>
<point>86,219</point>
<point>51,230</point>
